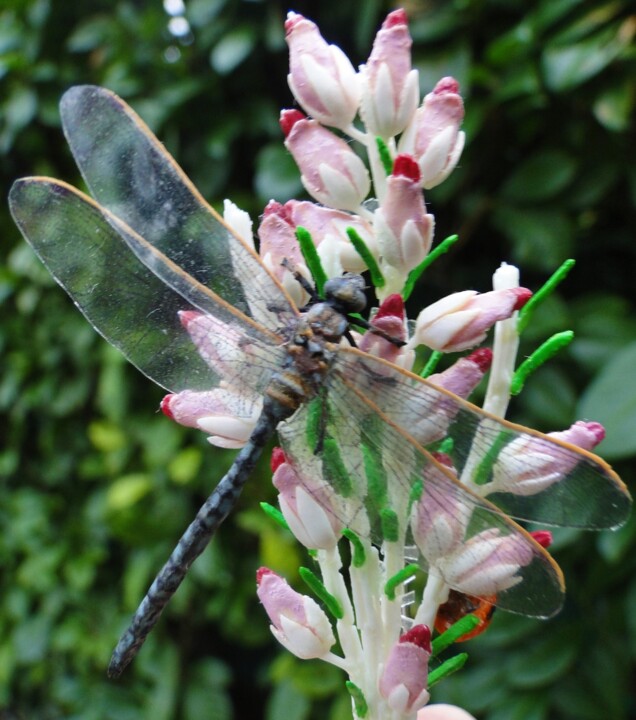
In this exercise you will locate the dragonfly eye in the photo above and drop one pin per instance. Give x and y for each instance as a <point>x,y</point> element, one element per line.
<point>346,293</point>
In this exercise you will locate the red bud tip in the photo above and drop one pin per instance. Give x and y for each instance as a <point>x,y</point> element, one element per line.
<point>443,459</point>
<point>597,430</point>
<point>543,537</point>
<point>187,316</point>
<point>482,358</point>
<point>288,118</point>
<point>292,20</point>
<point>446,85</point>
<point>261,572</point>
<point>165,406</point>
<point>392,306</point>
<point>275,208</point>
<point>406,166</point>
<point>397,17</point>
<point>523,295</point>
<point>419,635</point>
<point>277,459</point>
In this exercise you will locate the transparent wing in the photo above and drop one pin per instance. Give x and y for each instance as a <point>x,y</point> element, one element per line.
<point>493,457</point>
<point>130,173</point>
<point>132,294</point>
<point>365,474</point>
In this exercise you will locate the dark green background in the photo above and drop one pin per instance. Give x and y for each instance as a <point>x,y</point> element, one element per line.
<point>96,486</point>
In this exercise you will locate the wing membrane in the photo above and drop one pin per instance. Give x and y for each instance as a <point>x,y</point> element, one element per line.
<point>365,475</point>
<point>132,294</point>
<point>130,173</point>
<point>590,495</point>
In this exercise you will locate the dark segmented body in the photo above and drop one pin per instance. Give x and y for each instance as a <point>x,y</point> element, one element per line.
<point>311,350</point>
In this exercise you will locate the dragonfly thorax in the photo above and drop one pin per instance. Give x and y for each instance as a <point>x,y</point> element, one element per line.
<point>346,294</point>
<point>314,341</point>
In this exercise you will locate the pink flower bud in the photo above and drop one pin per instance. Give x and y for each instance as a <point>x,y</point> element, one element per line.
<point>216,341</point>
<point>463,376</point>
<point>404,229</point>
<point>486,564</point>
<point>443,712</point>
<point>483,565</point>
<point>321,78</point>
<point>433,135</point>
<point>461,379</point>
<point>439,518</point>
<point>405,675</point>
<point>297,621</point>
<point>461,321</point>
<point>228,415</point>
<point>390,89</point>
<point>529,464</point>
<point>277,235</point>
<point>328,229</point>
<point>390,319</point>
<point>306,511</point>
<point>330,171</point>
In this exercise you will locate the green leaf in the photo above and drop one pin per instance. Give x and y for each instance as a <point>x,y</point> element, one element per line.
<point>232,49</point>
<point>287,702</point>
<point>523,706</point>
<point>542,661</point>
<point>277,175</point>
<point>185,466</point>
<point>567,66</point>
<point>106,436</point>
<point>541,177</point>
<point>31,639</point>
<point>611,400</point>
<point>127,491</point>
<point>614,107</point>
<point>90,34</point>
<point>542,239</point>
<point>551,396</point>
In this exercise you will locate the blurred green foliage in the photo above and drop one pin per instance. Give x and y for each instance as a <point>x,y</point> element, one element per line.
<point>96,487</point>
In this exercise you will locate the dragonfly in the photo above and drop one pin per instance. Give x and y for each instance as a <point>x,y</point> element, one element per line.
<point>146,246</point>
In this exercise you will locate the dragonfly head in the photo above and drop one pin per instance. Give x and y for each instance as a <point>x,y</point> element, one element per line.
<point>346,294</point>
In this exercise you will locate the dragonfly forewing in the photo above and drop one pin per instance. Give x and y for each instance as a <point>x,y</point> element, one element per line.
<point>130,173</point>
<point>135,305</point>
<point>588,493</point>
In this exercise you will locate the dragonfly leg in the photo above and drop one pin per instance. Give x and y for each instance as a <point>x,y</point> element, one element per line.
<point>195,539</point>
<point>355,320</point>
<point>302,281</point>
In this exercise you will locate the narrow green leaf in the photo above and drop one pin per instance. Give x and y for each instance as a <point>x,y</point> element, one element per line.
<point>385,155</point>
<point>314,583</point>
<point>377,279</point>
<point>542,293</point>
<point>452,665</point>
<point>541,355</point>
<point>275,514</point>
<point>359,701</point>
<point>406,573</point>
<point>359,554</point>
<point>414,275</point>
<point>456,630</point>
<point>310,255</point>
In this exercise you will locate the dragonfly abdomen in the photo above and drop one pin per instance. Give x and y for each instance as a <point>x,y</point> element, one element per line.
<point>196,538</point>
